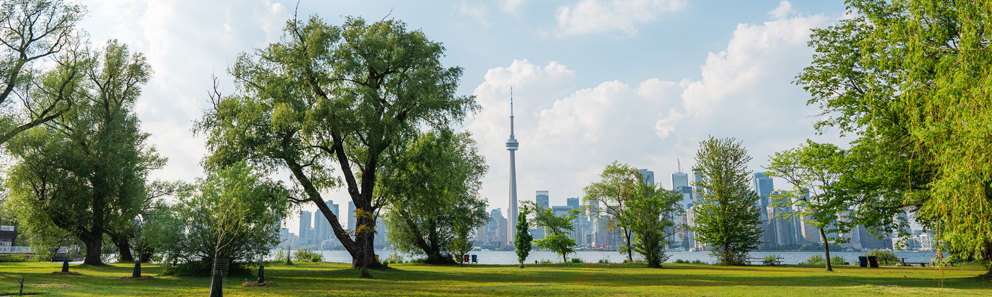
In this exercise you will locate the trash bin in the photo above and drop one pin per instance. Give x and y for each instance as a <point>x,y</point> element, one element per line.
<point>873,261</point>
<point>863,261</point>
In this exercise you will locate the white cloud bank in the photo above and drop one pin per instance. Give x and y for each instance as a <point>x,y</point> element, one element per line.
<point>567,136</point>
<point>595,16</point>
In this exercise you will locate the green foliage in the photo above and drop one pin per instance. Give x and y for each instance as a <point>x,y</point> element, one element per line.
<point>814,260</point>
<point>232,213</point>
<point>307,255</point>
<point>577,261</point>
<point>35,31</point>
<point>910,78</point>
<point>559,227</point>
<point>837,260</point>
<point>346,97</point>
<point>203,269</point>
<point>770,259</point>
<point>726,214</point>
<point>609,199</point>
<point>649,215</point>
<point>91,163</point>
<point>432,186</point>
<point>885,257</point>
<point>523,239</point>
<point>13,258</point>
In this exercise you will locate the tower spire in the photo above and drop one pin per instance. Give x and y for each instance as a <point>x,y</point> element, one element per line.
<point>511,145</point>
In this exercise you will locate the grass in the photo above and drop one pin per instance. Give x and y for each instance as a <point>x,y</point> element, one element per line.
<point>334,279</point>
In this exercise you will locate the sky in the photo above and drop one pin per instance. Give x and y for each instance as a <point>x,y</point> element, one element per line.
<point>641,82</point>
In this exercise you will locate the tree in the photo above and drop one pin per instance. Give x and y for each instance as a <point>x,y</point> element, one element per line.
<point>523,238</point>
<point>727,216</point>
<point>31,30</point>
<point>231,214</point>
<point>912,85</point>
<point>813,170</point>
<point>648,213</point>
<point>335,97</point>
<point>85,171</point>
<point>559,226</point>
<point>618,184</point>
<point>432,185</point>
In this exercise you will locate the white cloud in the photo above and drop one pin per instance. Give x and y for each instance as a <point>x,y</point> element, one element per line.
<point>594,16</point>
<point>783,10</point>
<point>510,5</point>
<point>477,11</point>
<point>566,136</point>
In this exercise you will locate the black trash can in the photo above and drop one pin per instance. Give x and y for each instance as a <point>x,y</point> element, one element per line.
<point>863,261</point>
<point>873,261</point>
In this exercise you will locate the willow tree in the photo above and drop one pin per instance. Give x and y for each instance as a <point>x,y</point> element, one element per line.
<point>85,171</point>
<point>910,77</point>
<point>30,32</point>
<point>335,97</point>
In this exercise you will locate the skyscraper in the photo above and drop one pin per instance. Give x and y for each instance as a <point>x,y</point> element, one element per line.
<point>351,216</point>
<point>511,211</point>
<point>572,202</point>
<point>542,199</point>
<point>305,219</point>
<point>763,187</point>
<point>648,176</point>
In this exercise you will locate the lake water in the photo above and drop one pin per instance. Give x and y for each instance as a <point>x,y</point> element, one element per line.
<point>510,257</point>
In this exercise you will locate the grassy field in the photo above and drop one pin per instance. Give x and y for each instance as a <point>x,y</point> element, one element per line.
<point>333,279</point>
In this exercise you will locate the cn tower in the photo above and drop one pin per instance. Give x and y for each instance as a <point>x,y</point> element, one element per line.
<point>511,217</point>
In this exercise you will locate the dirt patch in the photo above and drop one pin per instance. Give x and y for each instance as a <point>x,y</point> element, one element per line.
<point>257,284</point>
<point>126,278</point>
<point>65,273</point>
<point>50,285</point>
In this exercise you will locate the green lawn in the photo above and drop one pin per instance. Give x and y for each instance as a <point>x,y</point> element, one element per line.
<point>332,279</point>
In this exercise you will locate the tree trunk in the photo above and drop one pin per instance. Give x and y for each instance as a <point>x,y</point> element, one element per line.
<point>826,249</point>
<point>94,245</point>
<point>123,249</point>
<point>630,248</point>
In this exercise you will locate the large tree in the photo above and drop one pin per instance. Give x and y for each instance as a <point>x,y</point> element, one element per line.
<point>727,212</point>
<point>610,198</point>
<point>85,170</point>
<point>909,77</point>
<point>433,191</point>
<point>558,227</point>
<point>813,170</point>
<point>336,97</point>
<point>649,219</point>
<point>30,31</point>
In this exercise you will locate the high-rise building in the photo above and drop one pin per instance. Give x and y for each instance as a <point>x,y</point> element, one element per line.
<point>572,202</point>
<point>321,226</point>
<point>351,216</point>
<point>648,176</point>
<point>305,230</point>
<point>511,211</point>
<point>679,181</point>
<point>763,186</point>
<point>542,199</point>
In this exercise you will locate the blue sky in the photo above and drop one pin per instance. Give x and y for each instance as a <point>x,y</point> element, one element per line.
<point>638,81</point>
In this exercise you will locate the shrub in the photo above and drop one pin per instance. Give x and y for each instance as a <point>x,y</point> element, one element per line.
<point>679,261</point>
<point>884,256</point>
<point>698,262</point>
<point>837,260</point>
<point>203,269</point>
<point>307,255</point>
<point>771,259</point>
<point>14,258</point>
<point>546,261</point>
<point>577,260</point>
<point>604,261</point>
<point>814,259</point>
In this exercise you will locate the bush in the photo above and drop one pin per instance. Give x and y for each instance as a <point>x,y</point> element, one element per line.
<point>679,261</point>
<point>698,262</point>
<point>884,256</point>
<point>14,258</point>
<point>604,261</point>
<point>203,269</point>
<point>546,261</point>
<point>837,260</point>
<point>814,259</point>
<point>577,261</point>
<point>770,259</point>
<point>307,255</point>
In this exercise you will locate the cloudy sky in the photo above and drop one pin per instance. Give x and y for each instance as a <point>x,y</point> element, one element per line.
<point>637,81</point>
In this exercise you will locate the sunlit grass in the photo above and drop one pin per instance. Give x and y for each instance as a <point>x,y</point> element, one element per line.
<point>335,279</point>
